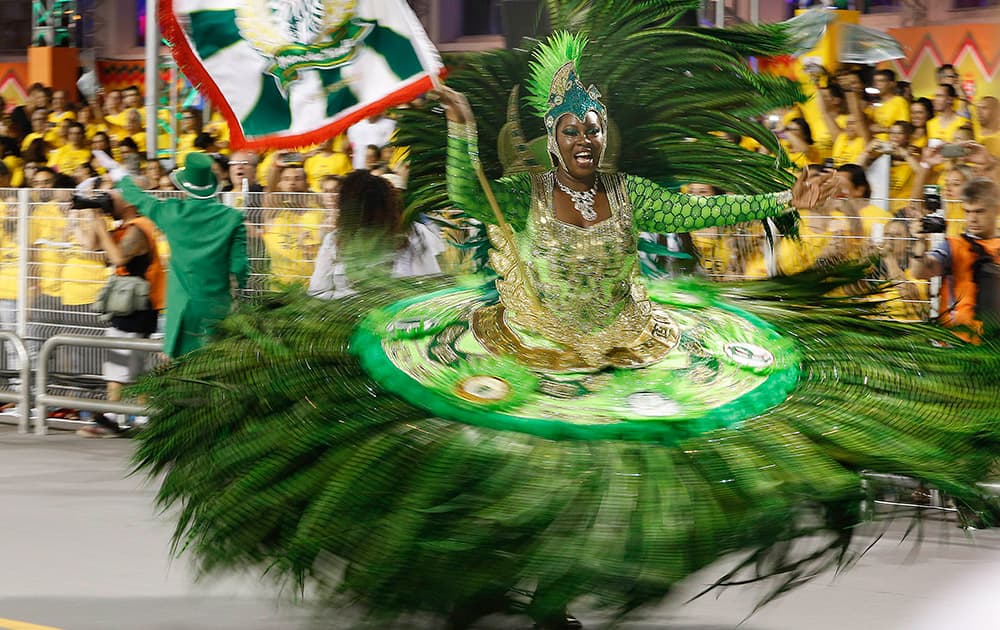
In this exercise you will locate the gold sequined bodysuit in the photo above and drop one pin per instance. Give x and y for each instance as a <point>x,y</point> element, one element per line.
<point>581,306</point>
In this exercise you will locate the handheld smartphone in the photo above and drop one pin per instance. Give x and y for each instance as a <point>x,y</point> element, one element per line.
<point>952,150</point>
<point>828,164</point>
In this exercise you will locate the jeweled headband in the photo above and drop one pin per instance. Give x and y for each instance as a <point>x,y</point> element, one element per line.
<point>568,96</point>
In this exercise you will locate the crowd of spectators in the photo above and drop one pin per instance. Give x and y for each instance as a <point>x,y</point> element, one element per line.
<point>51,131</point>
<point>890,149</point>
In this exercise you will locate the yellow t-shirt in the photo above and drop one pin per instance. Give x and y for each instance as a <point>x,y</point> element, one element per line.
<point>8,260</point>
<point>16,167</point>
<point>946,133</point>
<point>292,241</point>
<point>847,151</point>
<point>713,248</point>
<point>47,238</point>
<point>93,128</point>
<point>802,159</point>
<point>162,142</point>
<point>219,128</point>
<point>900,310</point>
<point>118,121</point>
<point>82,277</point>
<point>816,231</point>
<point>319,166</point>
<point>900,184</point>
<point>822,135</point>
<point>992,143</point>
<point>31,137</point>
<point>954,214</point>
<point>61,116</point>
<point>896,108</point>
<point>185,145</point>
<point>66,158</point>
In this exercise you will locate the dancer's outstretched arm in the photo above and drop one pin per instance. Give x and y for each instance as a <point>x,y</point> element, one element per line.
<point>513,193</point>
<point>658,209</point>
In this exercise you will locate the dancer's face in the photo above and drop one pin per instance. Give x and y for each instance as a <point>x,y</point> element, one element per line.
<point>581,143</point>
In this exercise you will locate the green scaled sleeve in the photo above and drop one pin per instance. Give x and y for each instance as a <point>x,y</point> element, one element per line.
<point>512,193</point>
<point>656,209</point>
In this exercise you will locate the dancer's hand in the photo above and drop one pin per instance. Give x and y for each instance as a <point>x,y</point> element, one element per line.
<point>810,192</point>
<point>456,106</point>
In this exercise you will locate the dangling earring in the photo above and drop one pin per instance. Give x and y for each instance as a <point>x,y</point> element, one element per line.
<point>554,150</point>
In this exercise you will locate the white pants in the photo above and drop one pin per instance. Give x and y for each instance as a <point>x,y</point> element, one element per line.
<point>123,366</point>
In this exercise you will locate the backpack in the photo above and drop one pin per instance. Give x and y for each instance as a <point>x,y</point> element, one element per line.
<point>122,296</point>
<point>986,275</point>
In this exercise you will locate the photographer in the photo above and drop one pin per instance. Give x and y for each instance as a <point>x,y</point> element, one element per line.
<point>131,248</point>
<point>967,263</point>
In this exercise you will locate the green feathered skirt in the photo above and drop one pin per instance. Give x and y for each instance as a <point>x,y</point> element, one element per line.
<point>369,448</point>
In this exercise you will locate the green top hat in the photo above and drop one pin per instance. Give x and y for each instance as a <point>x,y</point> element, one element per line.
<point>196,178</point>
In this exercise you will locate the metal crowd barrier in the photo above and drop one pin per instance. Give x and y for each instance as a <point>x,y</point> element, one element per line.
<point>23,396</point>
<point>43,399</point>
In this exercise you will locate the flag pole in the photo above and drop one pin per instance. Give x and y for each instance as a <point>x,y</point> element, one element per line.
<point>152,70</point>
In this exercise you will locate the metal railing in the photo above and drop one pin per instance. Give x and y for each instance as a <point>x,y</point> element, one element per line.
<point>43,399</point>
<point>23,396</point>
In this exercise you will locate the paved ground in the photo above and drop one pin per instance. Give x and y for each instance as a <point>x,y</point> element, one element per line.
<point>81,548</point>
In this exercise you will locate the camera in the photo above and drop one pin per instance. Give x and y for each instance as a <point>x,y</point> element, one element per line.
<point>98,199</point>
<point>933,222</point>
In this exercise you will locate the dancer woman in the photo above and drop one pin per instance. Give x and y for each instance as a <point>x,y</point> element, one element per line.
<point>422,446</point>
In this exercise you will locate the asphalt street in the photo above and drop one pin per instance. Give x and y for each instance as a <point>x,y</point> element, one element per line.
<point>83,548</point>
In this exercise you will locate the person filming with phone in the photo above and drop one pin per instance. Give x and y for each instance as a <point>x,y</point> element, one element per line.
<point>969,263</point>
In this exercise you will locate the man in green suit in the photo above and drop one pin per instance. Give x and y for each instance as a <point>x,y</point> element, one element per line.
<point>208,248</point>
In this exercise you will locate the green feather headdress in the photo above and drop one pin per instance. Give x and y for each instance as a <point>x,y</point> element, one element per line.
<point>554,88</point>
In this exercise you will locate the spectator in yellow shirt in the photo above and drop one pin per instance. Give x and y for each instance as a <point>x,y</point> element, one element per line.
<point>905,161</point>
<point>890,108</point>
<point>85,116</point>
<point>797,140</point>
<point>906,299</point>
<point>134,130</point>
<point>849,143</point>
<point>867,221</point>
<point>75,152</point>
<point>325,161</point>
<point>850,132</point>
<point>921,110</point>
<point>131,102</point>
<point>40,128</point>
<point>191,125</point>
<point>9,274</point>
<point>48,239</point>
<point>293,234</point>
<point>946,121</point>
<point>988,115</point>
<point>60,108</point>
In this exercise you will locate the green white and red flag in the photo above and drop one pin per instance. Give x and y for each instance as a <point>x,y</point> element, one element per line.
<point>288,73</point>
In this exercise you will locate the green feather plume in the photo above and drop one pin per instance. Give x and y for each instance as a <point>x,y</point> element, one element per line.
<point>547,58</point>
